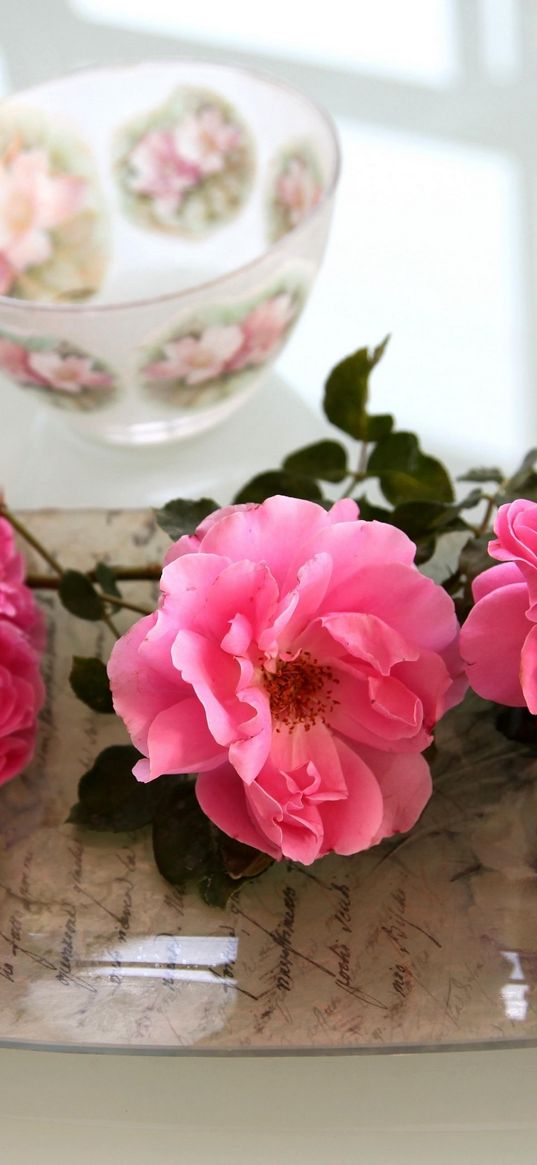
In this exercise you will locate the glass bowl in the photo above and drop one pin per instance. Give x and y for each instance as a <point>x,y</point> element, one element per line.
<point>161,226</point>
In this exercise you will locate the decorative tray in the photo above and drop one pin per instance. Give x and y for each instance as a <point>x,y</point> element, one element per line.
<point>426,941</point>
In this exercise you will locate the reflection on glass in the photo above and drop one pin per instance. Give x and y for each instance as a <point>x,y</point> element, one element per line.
<point>195,958</point>
<point>514,994</point>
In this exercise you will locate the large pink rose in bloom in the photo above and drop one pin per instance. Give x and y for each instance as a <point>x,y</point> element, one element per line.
<point>21,696</point>
<point>298,662</point>
<point>499,637</point>
<point>17,603</point>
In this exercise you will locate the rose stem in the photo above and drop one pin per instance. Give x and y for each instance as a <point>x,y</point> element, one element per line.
<point>44,553</point>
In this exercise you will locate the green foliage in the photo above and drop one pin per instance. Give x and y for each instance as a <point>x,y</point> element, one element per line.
<point>107,580</point>
<point>109,796</point>
<point>326,460</point>
<point>183,516</point>
<point>523,483</point>
<point>406,474</point>
<point>346,393</point>
<point>79,596</point>
<point>279,481</point>
<point>89,681</point>
<point>482,475</point>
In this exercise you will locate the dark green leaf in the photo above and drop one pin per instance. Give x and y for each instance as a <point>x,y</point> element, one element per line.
<point>346,391</point>
<point>523,483</point>
<point>89,681</point>
<point>182,841</point>
<point>110,797</point>
<point>216,887</point>
<point>483,475</point>
<point>418,519</point>
<point>183,516</point>
<point>325,459</point>
<point>475,558</point>
<point>372,513</point>
<point>378,426</point>
<point>407,474</point>
<point>518,724</point>
<point>278,481</point>
<point>239,860</point>
<point>107,579</point>
<point>79,596</point>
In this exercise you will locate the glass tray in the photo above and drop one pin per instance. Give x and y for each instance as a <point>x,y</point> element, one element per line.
<point>427,941</point>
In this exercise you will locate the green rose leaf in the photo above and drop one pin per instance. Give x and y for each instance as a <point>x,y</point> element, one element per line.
<point>240,860</point>
<point>89,681</point>
<point>346,391</point>
<point>325,459</point>
<point>406,474</point>
<point>182,842</point>
<point>372,513</point>
<point>523,483</point>
<point>109,796</point>
<point>107,580</point>
<point>378,426</point>
<point>418,519</point>
<point>78,595</point>
<point>279,481</point>
<point>483,475</point>
<point>183,516</point>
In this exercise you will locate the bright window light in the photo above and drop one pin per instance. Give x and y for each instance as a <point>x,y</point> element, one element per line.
<point>414,40</point>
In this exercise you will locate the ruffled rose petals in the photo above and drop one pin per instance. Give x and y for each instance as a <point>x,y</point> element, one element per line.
<point>298,661</point>
<point>499,637</point>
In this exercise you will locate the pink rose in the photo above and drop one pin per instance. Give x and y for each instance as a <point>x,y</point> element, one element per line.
<point>516,541</point>
<point>298,661</point>
<point>21,696</point>
<point>499,637</point>
<point>17,603</point>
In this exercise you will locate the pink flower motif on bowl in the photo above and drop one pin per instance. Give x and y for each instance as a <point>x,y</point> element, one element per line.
<point>297,188</point>
<point>187,166</point>
<point>202,361</point>
<point>51,243</point>
<point>65,374</point>
<point>32,203</point>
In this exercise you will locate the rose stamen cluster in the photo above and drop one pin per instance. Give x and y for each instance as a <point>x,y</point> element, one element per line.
<point>21,641</point>
<point>299,691</point>
<point>331,605</point>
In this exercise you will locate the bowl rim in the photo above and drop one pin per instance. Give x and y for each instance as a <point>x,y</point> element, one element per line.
<point>87,308</point>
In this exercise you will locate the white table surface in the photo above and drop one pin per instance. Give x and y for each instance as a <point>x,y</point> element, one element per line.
<point>434,240</point>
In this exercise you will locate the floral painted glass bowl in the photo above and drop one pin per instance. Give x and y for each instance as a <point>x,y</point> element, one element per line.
<point>160,229</point>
